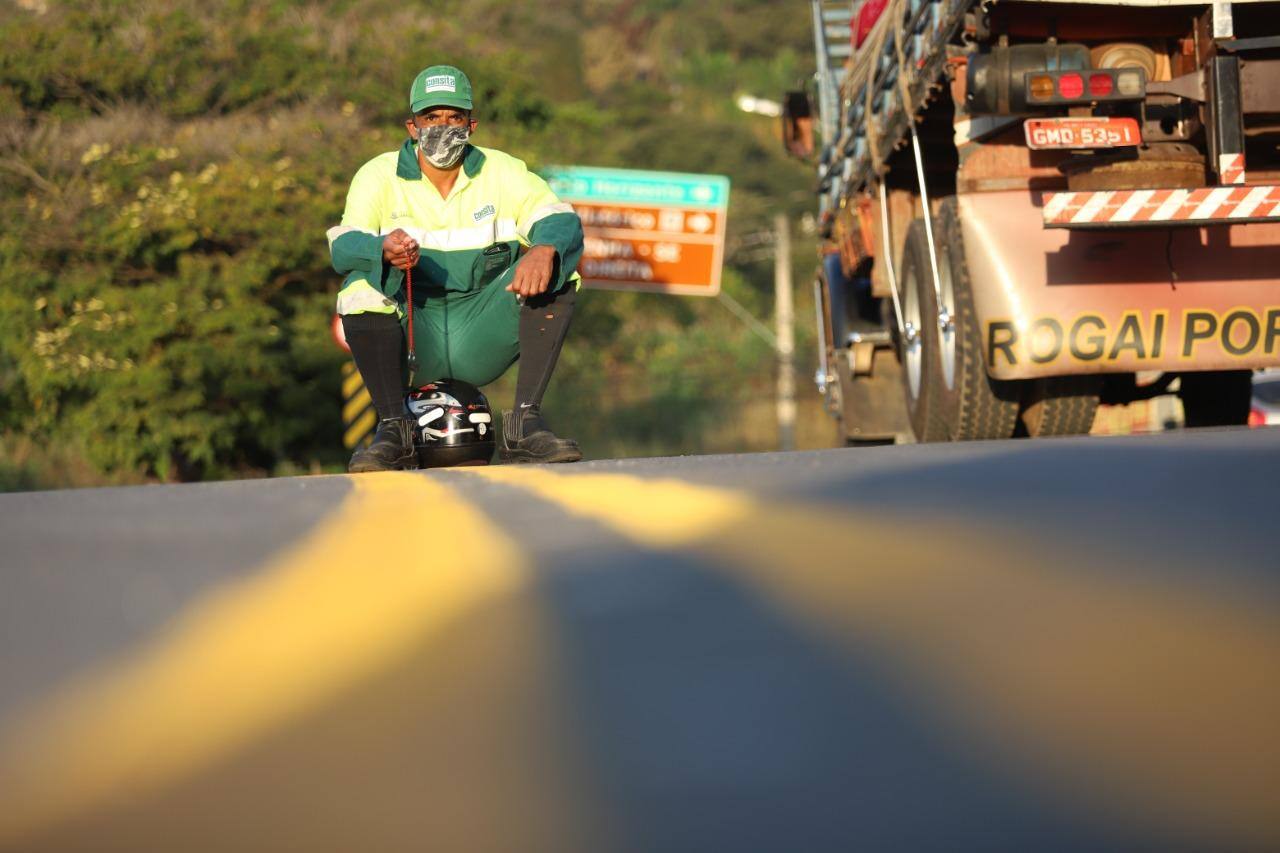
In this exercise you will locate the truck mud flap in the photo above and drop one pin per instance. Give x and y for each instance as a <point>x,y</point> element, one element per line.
<point>872,407</point>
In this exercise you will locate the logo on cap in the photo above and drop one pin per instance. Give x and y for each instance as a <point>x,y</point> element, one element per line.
<point>440,83</point>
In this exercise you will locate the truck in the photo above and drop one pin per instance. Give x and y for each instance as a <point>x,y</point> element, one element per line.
<point>1030,208</point>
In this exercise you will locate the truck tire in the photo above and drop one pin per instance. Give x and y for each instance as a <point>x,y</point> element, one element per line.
<point>955,399</point>
<point>1216,398</point>
<point>1061,405</point>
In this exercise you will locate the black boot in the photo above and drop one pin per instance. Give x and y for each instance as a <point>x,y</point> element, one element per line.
<point>527,438</point>
<point>391,449</point>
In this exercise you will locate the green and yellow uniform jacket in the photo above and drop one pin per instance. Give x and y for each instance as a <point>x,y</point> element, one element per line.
<point>466,323</point>
<point>467,240</point>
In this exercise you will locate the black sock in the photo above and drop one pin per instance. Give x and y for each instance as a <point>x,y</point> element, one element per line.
<point>377,345</point>
<point>544,322</point>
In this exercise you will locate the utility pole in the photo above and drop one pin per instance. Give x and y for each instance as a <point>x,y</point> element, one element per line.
<point>784,321</point>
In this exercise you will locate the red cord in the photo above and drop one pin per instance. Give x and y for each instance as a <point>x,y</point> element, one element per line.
<point>408,286</point>
<point>413,356</point>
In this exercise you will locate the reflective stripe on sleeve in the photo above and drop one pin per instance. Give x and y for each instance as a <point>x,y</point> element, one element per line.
<point>542,213</point>
<point>360,297</point>
<point>338,230</point>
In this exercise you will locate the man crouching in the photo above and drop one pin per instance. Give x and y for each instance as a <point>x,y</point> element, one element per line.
<point>492,254</point>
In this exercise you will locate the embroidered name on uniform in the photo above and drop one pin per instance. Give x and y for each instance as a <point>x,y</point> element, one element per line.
<point>441,83</point>
<point>487,210</point>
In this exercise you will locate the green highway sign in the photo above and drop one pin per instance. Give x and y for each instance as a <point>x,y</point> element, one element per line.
<point>631,186</point>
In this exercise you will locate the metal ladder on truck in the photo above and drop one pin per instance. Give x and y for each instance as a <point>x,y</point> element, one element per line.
<point>832,47</point>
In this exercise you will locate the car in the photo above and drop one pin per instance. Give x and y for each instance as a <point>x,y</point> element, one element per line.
<point>1264,408</point>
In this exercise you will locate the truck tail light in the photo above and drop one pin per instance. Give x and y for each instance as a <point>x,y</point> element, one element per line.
<point>995,78</point>
<point>1131,83</point>
<point>1040,88</point>
<point>1257,417</point>
<point>1070,86</point>
<point>1050,88</point>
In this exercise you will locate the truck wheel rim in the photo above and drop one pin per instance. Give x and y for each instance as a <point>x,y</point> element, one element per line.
<point>912,344</point>
<point>946,320</point>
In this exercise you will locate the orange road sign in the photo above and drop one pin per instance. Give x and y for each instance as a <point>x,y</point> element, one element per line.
<point>660,232</point>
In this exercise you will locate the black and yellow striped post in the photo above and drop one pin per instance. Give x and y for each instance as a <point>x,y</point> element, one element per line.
<point>358,416</point>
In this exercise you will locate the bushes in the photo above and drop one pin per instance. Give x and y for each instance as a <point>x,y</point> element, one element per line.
<point>167,303</point>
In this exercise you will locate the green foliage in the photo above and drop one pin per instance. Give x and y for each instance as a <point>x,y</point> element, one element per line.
<point>168,170</point>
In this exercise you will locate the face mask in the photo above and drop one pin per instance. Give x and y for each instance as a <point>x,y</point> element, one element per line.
<point>442,145</point>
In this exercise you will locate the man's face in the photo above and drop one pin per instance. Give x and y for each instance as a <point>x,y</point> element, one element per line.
<point>436,116</point>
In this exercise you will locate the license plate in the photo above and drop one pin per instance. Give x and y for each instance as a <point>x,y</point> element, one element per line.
<point>1081,132</point>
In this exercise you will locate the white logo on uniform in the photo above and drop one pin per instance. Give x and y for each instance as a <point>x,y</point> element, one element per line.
<point>440,83</point>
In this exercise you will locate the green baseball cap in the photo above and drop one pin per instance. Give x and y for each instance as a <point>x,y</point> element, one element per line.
<point>440,86</point>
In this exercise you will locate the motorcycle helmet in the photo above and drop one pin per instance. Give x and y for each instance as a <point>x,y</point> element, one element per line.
<point>452,424</point>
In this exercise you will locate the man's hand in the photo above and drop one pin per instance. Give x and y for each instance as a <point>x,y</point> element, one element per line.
<point>533,273</point>
<point>400,250</point>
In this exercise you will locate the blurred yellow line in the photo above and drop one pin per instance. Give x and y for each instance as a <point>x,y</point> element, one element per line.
<point>256,654</point>
<point>1140,697</point>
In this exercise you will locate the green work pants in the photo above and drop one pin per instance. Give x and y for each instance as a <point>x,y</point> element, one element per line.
<point>470,335</point>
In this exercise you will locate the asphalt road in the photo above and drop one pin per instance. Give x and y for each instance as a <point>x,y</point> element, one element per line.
<point>1056,645</point>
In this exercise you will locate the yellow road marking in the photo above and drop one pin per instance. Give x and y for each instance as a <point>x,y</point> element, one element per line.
<point>1137,697</point>
<point>257,654</point>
